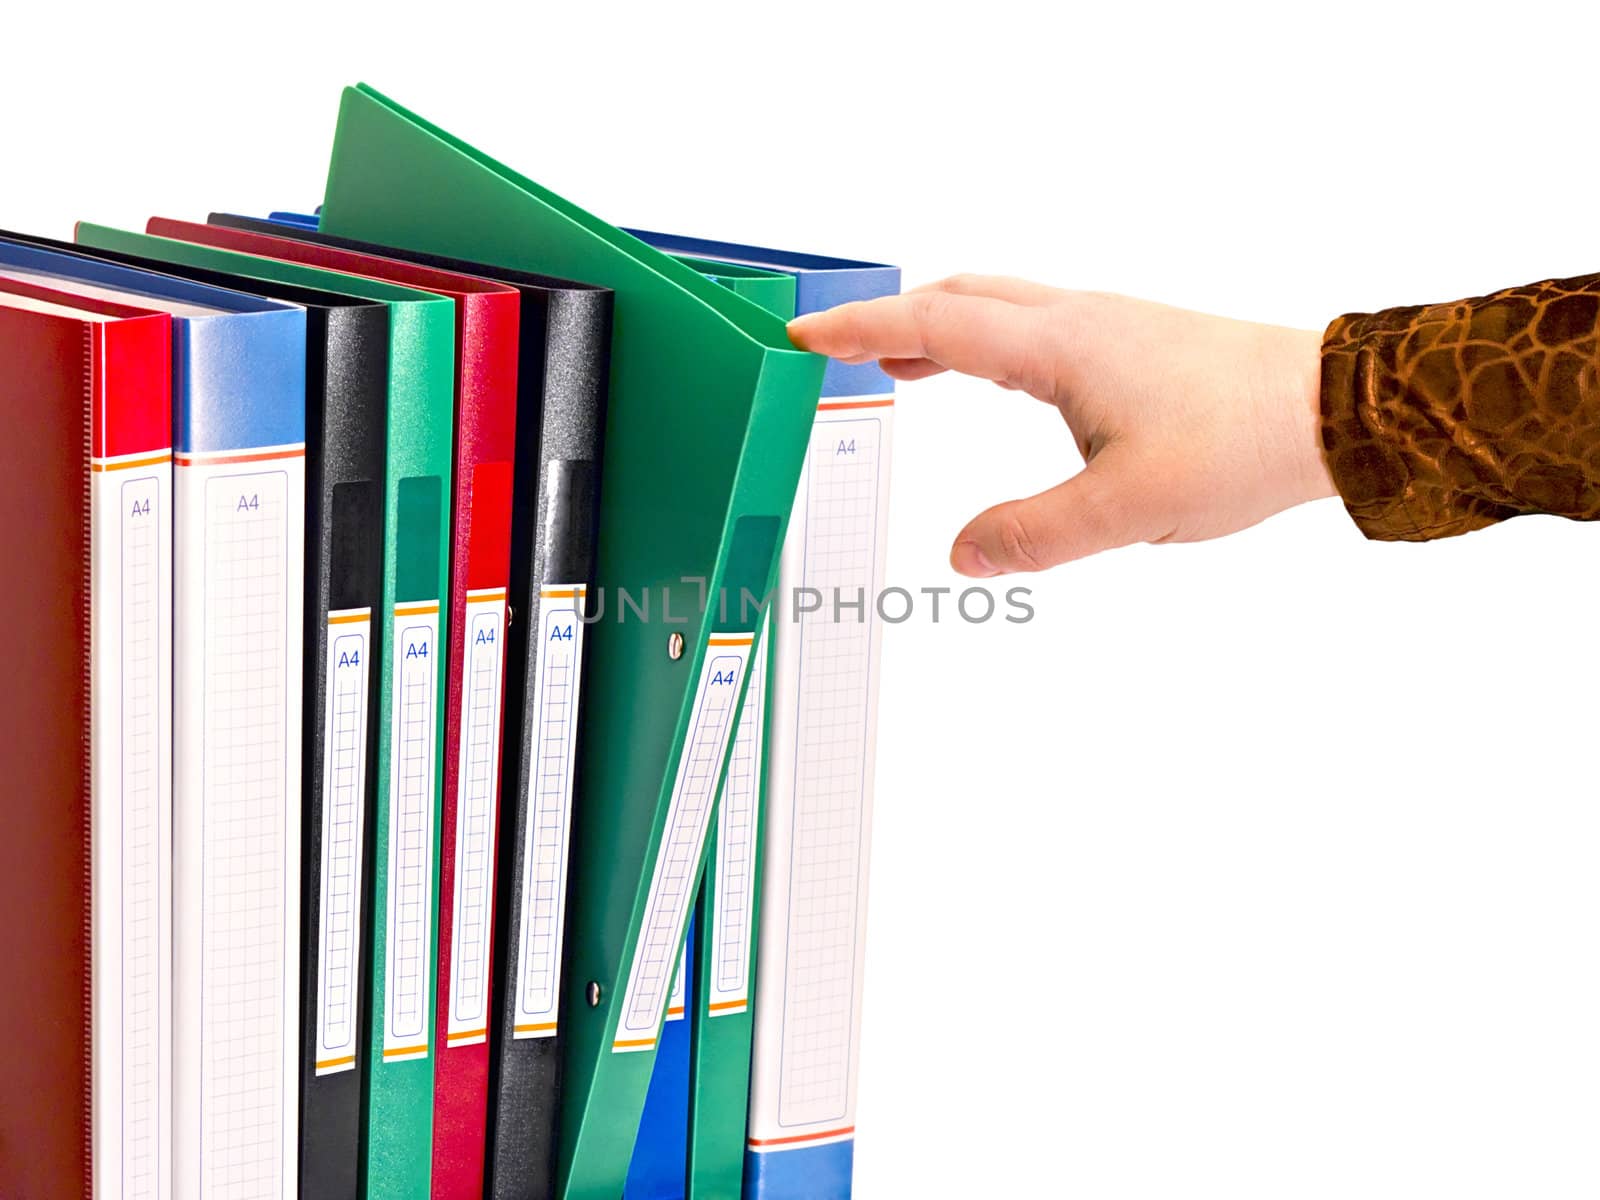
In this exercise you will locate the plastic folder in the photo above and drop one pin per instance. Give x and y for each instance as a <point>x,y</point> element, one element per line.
<point>710,408</point>
<point>86,483</point>
<point>239,528</point>
<point>699,1060</point>
<point>347,374</point>
<point>819,770</point>
<point>561,393</point>
<point>419,429</point>
<point>724,941</point>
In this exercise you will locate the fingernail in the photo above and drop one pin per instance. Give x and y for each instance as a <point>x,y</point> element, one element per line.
<point>797,329</point>
<point>969,559</point>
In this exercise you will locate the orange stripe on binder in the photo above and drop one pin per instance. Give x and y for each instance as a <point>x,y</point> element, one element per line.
<point>727,1005</point>
<point>344,1060</point>
<point>562,593</point>
<point>465,1035</point>
<point>742,640</point>
<point>403,1051</point>
<point>349,618</point>
<point>632,1044</point>
<point>129,463</point>
<point>415,610</point>
<point>847,1131</point>
<point>541,1027</point>
<point>675,1011</point>
<point>825,407</point>
<point>191,460</point>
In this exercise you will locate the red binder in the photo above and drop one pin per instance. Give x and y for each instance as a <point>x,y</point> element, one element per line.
<point>487,316</point>
<point>85,395</point>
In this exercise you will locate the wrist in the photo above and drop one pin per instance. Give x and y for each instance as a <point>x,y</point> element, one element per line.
<point>1313,479</point>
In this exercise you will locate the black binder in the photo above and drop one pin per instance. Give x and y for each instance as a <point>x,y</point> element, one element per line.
<point>347,376</point>
<point>562,384</point>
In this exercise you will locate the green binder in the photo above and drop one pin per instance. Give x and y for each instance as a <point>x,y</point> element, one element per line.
<point>771,290</point>
<point>727,918</point>
<point>397,1116</point>
<point>709,420</point>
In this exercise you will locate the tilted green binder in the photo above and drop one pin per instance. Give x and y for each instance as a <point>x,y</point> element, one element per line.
<point>727,919</point>
<point>398,1106</point>
<point>709,419</point>
<point>692,1127</point>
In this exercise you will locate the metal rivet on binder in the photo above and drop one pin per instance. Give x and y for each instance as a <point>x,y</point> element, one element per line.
<point>594,994</point>
<point>675,647</point>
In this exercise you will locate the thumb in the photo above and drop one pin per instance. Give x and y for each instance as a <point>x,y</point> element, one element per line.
<point>1097,509</point>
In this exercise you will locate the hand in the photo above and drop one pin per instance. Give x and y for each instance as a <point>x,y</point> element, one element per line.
<point>1190,426</point>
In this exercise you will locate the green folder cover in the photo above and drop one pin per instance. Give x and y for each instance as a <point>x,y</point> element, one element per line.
<point>709,420</point>
<point>721,1023</point>
<point>398,1106</point>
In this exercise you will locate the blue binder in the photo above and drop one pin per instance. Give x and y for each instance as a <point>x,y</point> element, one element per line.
<point>661,1154</point>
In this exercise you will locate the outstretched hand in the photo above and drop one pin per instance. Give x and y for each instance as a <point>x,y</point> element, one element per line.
<point>1190,426</point>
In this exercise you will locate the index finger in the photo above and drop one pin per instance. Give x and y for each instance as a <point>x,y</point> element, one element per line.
<point>976,335</point>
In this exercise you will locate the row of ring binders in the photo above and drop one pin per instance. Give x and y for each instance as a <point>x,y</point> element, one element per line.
<point>445,763</point>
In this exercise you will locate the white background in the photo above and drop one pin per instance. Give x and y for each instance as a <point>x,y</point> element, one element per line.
<point>1259,868</point>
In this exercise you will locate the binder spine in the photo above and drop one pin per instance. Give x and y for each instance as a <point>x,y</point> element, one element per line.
<point>134,507</point>
<point>555,510</point>
<point>397,1107</point>
<point>239,500</point>
<point>130,485</point>
<point>824,716</point>
<point>716,1086</point>
<point>479,577</point>
<point>86,778</point>
<point>347,385</point>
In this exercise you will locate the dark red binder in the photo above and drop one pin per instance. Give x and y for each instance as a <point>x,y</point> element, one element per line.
<point>86,400</point>
<point>487,317</point>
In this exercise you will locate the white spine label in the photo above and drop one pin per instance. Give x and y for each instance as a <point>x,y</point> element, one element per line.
<point>477,789</point>
<point>732,931</point>
<point>554,730</point>
<point>130,750</point>
<point>344,786</point>
<point>694,790</point>
<point>413,753</point>
<point>817,824</point>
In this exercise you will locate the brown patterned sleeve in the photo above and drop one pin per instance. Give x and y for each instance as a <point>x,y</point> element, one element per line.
<point>1443,419</point>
